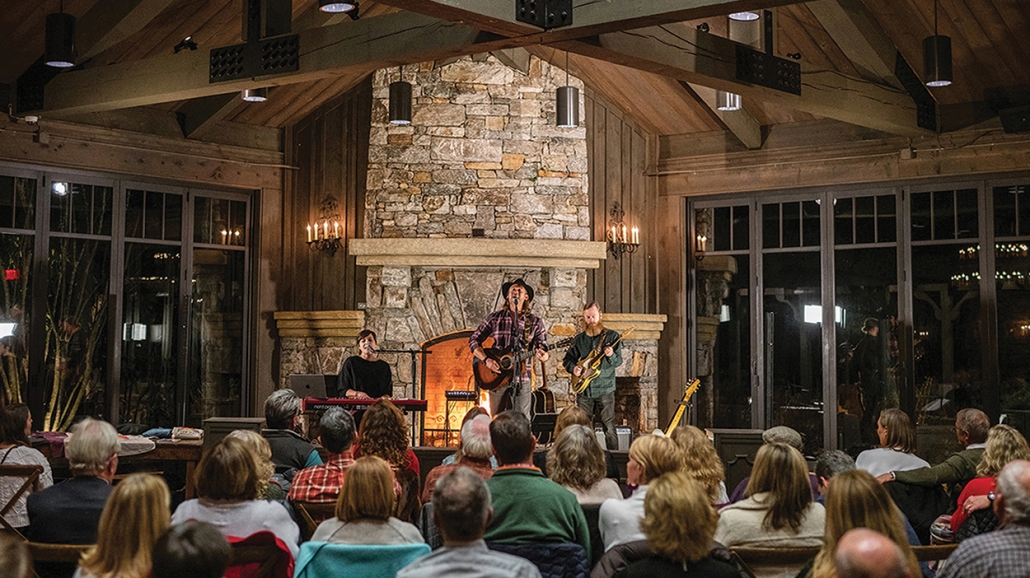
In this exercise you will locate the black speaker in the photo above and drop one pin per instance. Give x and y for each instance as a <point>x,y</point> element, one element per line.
<point>1015,119</point>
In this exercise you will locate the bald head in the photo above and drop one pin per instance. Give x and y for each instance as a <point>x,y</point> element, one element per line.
<point>863,553</point>
<point>1013,503</point>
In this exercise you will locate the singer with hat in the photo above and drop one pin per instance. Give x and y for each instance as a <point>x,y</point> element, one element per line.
<point>365,376</point>
<point>514,329</point>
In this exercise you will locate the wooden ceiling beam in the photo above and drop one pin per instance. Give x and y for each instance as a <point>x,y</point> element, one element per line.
<point>859,36</point>
<point>589,17</point>
<point>109,22</point>
<point>740,122</point>
<point>365,45</point>
<point>696,57</point>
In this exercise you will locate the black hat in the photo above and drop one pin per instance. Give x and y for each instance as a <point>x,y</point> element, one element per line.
<point>507,286</point>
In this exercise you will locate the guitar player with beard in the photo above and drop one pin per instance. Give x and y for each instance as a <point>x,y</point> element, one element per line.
<point>599,350</point>
<point>516,330</point>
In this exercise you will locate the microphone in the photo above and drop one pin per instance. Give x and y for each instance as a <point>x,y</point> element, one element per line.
<point>370,348</point>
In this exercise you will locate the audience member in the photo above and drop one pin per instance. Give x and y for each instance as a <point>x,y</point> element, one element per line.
<point>856,500</point>
<point>863,553</point>
<point>679,523</point>
<point>778,434</point>
<point>321,484</point>
<point>897,446</point>
<point>650,456</point>
<point>475,454</point>
<point>384,433</point>
<point>702,462</point>
<point>779,512</point>
<point>229,489</point>
<point>290,451</point>
<point>461,512</point>
<point>527,506</point>
<point>1006,551</point>
<point>365,507</point>
<point>270,481</point>
<point>829,464</point>
<point>15,427</point>
<point>575,415</point>
<point>577,462</point>
<point>134,518</point>
<point>194,549</point>
<point>15,561</point>
<point>469,415</point>
<point>69,512</point>
<point>1004,444</point>
<point>971,426</point>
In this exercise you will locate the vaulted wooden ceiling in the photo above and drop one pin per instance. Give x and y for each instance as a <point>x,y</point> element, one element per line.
<point>845,46</point>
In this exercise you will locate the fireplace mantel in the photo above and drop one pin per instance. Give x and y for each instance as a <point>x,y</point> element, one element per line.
<point>478,252</point>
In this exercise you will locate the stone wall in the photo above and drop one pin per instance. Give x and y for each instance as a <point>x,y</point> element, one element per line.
<point>482,152</point>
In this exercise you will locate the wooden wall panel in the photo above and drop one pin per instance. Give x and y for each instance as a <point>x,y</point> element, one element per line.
<point>331,148</point>
<point>619,153</point>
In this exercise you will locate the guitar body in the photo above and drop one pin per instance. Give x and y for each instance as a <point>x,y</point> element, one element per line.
<point>579,383</point>
<point>543,401</point>
<point>487,380</point>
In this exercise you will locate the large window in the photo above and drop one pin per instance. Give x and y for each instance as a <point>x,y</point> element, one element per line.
<point>144,290</point>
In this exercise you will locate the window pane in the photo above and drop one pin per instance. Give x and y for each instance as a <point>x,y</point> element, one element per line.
<point>944,215</point>
<point>17,202</point>
<point>237,223</point>
<point>173,217</point>
<point>887,224</point>
<point>1023,202</point>
<point>791,224</point>
<point>966,214</point>
<point>921,226</point>
<point>741,227</point>
<point>15,311</point>
<point>153,215</point>
<point>771,226</point>
<point>725,346</point>
<point>811,223</point>
<point>134,213</point>
<point>865,221</point>
<point>722,229</point>
<point>843,227</point>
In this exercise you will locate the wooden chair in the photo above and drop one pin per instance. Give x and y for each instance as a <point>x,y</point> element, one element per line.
<point>312,514</point>
<point>748,558</point>
<point>30,474</point>
<point>931,553</point>
<point>64,556</point>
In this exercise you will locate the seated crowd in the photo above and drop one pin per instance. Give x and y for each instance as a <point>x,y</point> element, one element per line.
<point>491,512</point>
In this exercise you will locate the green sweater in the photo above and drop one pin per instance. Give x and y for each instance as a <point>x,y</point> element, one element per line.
<point>531,508</point>
<point>581,347</point>
<point>959,468</point>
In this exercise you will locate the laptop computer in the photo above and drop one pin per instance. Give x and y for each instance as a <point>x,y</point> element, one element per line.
<point>309,385</point>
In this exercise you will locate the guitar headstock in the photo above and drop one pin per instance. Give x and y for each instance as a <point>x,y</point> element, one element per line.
<point>567,342</point>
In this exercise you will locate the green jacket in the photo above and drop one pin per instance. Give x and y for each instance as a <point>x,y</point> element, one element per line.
<point>959,468</point>
<point>531,508</point>
<point>581,347</point>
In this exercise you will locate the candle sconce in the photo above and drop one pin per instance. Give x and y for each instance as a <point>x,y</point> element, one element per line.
<point>700,244</point>
<point>620,239</point>
<point>324,232</point>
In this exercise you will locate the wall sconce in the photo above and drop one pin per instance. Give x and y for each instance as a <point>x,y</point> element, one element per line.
<point>700,245</point>
<point>234,237</point>
<point>620,240</point>
<point>324,232</point>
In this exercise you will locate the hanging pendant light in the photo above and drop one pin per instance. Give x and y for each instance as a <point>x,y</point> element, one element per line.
<point>727,101</point>
<point>60,39</point>
<point>747,16</point>
<point>400,100</point>
<point>567,106</point>
<point>937,57</point>
<point>255,94</point>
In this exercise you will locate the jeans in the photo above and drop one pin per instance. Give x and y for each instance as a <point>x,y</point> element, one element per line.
<point>522,400</point>
<point>606,406</point>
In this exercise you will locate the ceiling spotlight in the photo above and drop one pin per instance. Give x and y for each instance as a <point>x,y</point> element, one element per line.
<point>703,27</point>
<point>727,101</point>
<point>184,44</point>
<point>567,102</point>
<point>255,94</point>
<point>60,39</point>
<point>336,7</point>
<point>744,16</point>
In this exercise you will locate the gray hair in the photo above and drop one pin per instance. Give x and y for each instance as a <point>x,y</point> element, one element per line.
<point>975,423</point>
<point>90,445</point>
<point>280,409</point>
<point>1014,486</point>
<point>475,438</point>
<point>336,429</point>
<point>833,462</point>
<point>461,504</point>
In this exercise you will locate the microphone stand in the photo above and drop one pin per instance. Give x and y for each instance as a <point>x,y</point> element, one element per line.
<point>516,350</point>
<point>414,378</point>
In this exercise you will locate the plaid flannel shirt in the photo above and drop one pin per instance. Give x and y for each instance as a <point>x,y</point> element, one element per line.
<point>503,329</point>
<point>321,483</point>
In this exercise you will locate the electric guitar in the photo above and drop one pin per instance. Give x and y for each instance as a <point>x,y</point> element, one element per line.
<point>591,365</point>
<point>691,389</point>
<point>485,377</point>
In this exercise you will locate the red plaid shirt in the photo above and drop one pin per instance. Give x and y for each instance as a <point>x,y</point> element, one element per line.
<point>321,483</point>
<point>481,467</point>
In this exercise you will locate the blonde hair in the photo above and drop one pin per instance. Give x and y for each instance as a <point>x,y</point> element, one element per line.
<point>571,415</point>
<point>1004,444</point>
<point>700,460</point>
<point>229,471</point>
<point>367,491</point>
<point>679,520</point>
<point>856,500</point>
<point>781,471</point>
<point>576,460</point>
<point>656,455</point>
<point>136,515</point>
<point>261,451</point>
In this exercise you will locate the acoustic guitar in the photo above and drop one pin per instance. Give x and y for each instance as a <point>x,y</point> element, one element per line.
<point>691,389</point>
<point>487,380</point>
<point>591,365</point>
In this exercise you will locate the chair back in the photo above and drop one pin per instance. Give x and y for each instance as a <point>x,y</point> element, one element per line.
<point>260,555</point>
<point>312,514</point>
<point>54,560</point>
<point>931,553</point>
<point>592,513</point>
<point>325,560</point>
<point>554,560</point>
<point>750,558</point>
<point>29,474</point>
<point>427,525</point>
<point>409,502</point>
